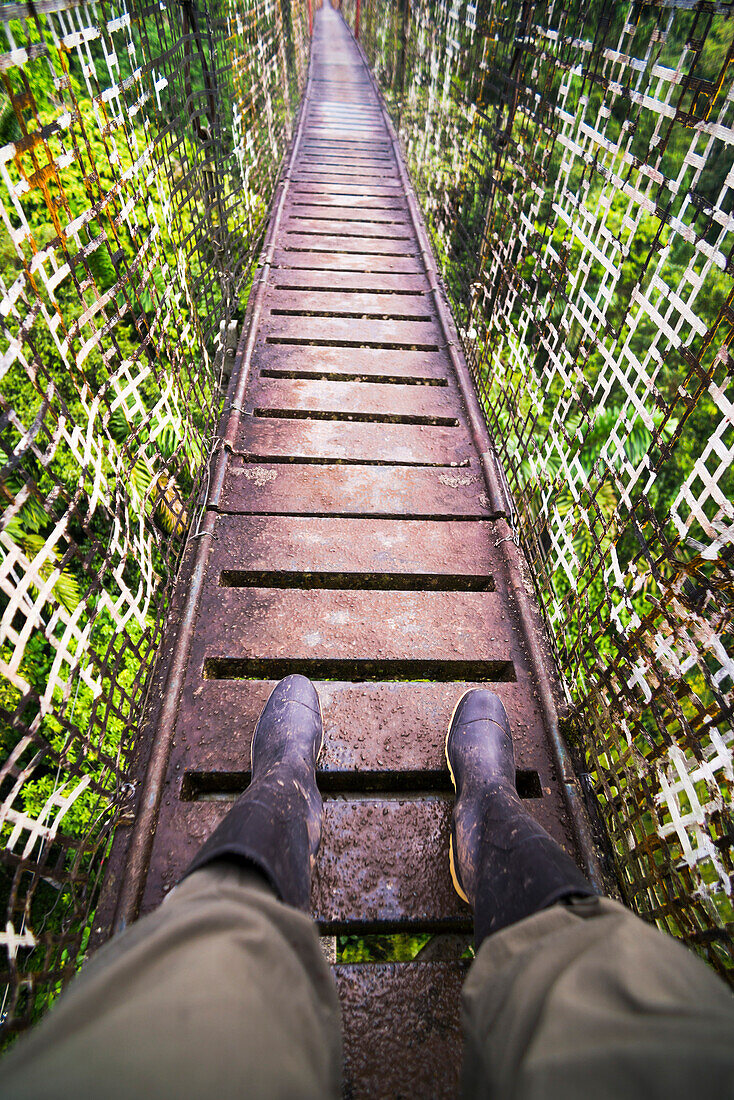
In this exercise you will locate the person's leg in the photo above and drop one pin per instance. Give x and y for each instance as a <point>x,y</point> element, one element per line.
<point>222,991</point>
<point>570,995</point>
<point>586,1000</point>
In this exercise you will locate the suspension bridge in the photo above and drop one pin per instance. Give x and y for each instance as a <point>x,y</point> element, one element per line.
<point>427,425</point>
<point>355,532</point>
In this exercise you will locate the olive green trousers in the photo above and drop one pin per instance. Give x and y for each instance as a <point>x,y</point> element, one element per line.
<point>224,992</point>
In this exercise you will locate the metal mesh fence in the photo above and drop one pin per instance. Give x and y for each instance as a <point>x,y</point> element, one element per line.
<point>139,145</point>
<point>575,163</point>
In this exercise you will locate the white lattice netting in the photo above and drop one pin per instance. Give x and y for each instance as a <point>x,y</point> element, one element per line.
<point>138,150</point>
<point>575,163</point>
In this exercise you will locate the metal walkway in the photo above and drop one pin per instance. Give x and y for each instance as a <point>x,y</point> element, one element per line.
<point>354,534</point>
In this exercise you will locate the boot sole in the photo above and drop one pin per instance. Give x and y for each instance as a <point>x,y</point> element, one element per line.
<point>452,859</point>
<point>320,745</point>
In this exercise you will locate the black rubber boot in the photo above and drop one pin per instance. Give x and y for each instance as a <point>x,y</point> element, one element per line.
<point>502,862</point>
<point>275,826</point>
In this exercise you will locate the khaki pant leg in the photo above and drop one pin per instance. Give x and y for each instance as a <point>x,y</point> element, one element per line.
<point>221,992</point>
<point>588,1002</point>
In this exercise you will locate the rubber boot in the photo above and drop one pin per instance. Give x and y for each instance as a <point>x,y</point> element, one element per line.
<point>502,862</point>
<point>275,826</point>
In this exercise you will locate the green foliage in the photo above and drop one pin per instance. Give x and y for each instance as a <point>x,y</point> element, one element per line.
<point>395,947</point>
<point>65,512</point>
<point>9,126</point>
<point>133,221</point>
<point>579,209</point>
<point>598,447</point>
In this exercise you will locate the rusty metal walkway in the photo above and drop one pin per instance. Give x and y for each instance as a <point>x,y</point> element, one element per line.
<point>354,533</point>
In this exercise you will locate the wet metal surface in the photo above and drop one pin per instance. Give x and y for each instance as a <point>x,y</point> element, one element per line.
<point>383,864</point>
<point>319,543</point>
<point>402,1031</point>
<point>358,282</point>
<point>391,728</point>
<point>382,626</point>
<point>420,366</point>
<point>424,335</point>
<point>388,444</point>
<point>331,257</point>
<point>405,403</point>
<point>377,866</point>
<point>356,490</point>
<point>353,301</point>
<point>351,537</point>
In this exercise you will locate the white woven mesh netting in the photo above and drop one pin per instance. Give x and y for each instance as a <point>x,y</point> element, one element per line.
<point>575,162</point>
<point>139,145</point>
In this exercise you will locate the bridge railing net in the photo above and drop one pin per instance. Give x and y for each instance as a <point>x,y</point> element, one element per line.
<point>139,145</point>
<point>575,164</point>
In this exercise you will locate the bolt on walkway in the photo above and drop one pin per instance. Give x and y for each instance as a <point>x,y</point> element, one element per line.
<point>353,534</point>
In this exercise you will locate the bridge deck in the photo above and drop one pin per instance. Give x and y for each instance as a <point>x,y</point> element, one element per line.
<point>351,535</point>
